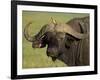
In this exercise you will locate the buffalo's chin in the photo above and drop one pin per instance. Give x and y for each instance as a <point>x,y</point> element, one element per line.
<point>54,58</point>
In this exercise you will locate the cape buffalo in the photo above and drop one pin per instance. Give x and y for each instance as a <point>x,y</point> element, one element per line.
<point>68,42</point>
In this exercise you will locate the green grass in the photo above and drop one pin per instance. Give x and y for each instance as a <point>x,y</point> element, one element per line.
<point>37,58</point>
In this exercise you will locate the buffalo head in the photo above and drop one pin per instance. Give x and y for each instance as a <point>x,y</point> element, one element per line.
<point>57,36</point>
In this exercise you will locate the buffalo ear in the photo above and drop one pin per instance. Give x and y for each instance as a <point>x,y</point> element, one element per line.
<point>53,21</point>
<point>68,41</point>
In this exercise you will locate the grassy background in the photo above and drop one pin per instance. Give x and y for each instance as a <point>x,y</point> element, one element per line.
<point>37,58</point>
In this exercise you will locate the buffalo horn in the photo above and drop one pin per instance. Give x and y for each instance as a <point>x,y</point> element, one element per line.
<point>39,35</point>
<point>68,29</point>
<point>26,34</point>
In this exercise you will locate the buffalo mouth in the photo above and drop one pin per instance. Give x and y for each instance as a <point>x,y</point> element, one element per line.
<point>38,44</point>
